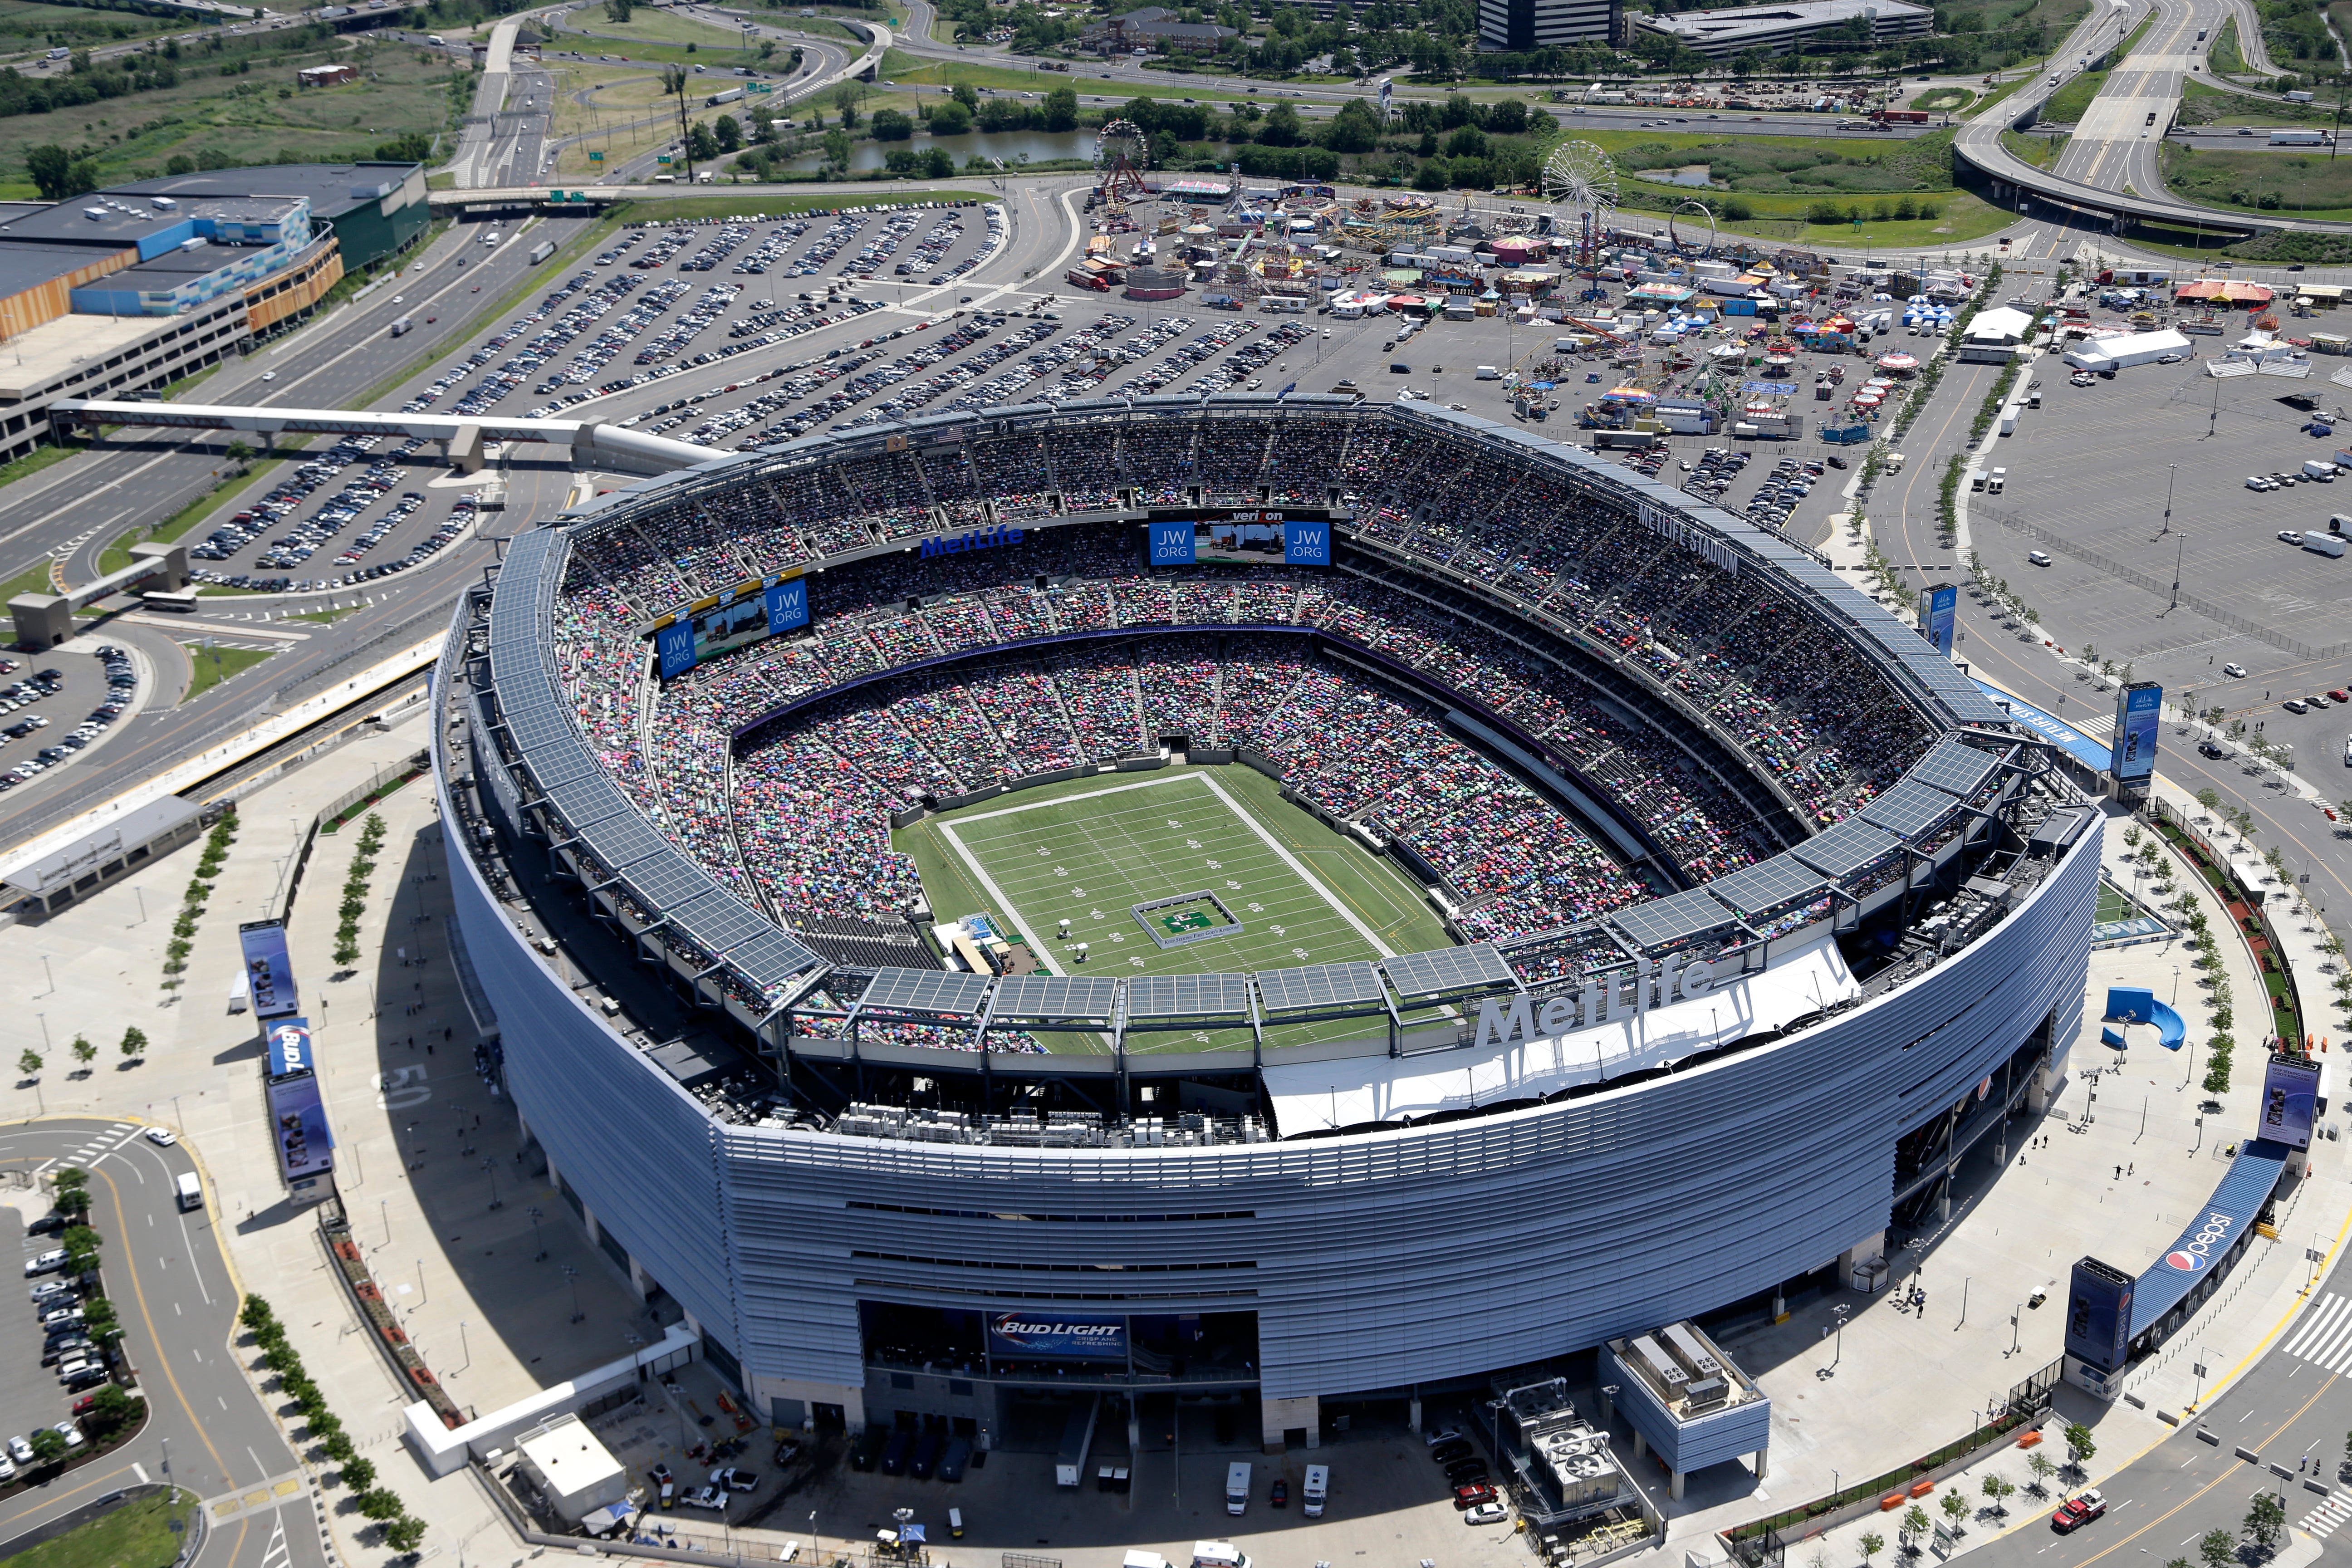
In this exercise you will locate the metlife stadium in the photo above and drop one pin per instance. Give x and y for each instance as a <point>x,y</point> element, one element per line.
<point>1766,915</point>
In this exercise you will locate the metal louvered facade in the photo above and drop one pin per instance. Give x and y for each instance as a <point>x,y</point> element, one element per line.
<point>1371,1261</point>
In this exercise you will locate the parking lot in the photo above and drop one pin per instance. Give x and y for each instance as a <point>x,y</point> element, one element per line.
<point>55,704</point>
<point>30,1394</point>
<point>2087,484</point>
<point>1388,1501</point>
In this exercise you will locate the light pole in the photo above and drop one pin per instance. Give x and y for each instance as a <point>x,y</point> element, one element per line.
<point>537,1213</point>
<point>463,1345</point>
<point>491,1166</point>
<point>572,1276</point>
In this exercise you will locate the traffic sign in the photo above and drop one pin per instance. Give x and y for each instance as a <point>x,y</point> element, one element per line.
<point>661,157</point>
<point>595,157</point>
<point>761,87</point>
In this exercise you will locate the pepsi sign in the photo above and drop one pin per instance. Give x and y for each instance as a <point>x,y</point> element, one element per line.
<point>1059,1336</point>
<point>2196,1251</point>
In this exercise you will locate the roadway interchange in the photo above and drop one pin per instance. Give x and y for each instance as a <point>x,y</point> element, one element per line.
<point>207,1427</point>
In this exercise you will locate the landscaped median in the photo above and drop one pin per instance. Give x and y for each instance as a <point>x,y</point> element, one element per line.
<point>401,1532</point>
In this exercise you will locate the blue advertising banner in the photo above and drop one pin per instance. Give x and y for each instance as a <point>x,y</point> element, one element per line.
<point>289,1047</point>
<point>1060,1336</point>
<point>269,972</point>
<point>298,1125</point>
<point>1306,543</point>
<point>675,645</point>
<point>2138,707</point>
<point>2098,1316</point>
<point>1170,544</point>
<point>788,606</point>
<point>2290,1101</point>
<point>1943,605</point>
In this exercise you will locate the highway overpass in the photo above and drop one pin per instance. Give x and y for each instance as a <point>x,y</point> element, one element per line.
<point>594,445</point>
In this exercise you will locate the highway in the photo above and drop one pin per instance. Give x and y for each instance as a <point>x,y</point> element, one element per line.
<point>171,1285</point>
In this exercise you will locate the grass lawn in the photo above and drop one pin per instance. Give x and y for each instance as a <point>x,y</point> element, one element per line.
<point>823,197</point>
<point>649,25</point>
<point>1951,98</point>
<point>1963,216</point>
<point>1086,849</point>
<point>215,664</point>
<point>2306,185</point>
<point>1805,166</point>
<point>34,461</point>
<point>240,118</point>
<point>2038,149</point>
<point>29,28</point>
<point>900,67</point>
<point>33,579</point>
<point>2203,105</point>
<point>137,1535</point>
<point>2221,56</point>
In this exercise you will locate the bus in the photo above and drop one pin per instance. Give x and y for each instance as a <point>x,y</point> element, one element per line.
<point>181,599</point>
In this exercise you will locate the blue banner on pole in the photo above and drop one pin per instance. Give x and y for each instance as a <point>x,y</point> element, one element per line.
<point>1306,543</point>
<point>788,606</point>
<point>1943,604</point>
<point>2138,708</point>
<point>675,645</point>
<point>1171,544</point>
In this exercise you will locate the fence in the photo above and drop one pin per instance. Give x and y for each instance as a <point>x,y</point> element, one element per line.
<point>2012,523</point>
<point>1761,1543</point>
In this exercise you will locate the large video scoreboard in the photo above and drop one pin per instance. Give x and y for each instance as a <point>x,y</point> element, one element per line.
<point>1249,536</point>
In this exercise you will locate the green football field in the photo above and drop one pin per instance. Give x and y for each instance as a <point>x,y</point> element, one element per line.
<point>1087,851</point>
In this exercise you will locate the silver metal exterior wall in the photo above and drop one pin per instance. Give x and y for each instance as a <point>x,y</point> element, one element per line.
<point>1372,1261</point>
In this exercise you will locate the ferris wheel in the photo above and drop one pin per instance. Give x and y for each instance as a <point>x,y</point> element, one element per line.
<point>1682,227</point>
<point>1580,175</point>
<point>1120,150</point>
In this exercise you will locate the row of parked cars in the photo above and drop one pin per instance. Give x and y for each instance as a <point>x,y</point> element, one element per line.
<point>121,685</point>
<point>1466,1473</point>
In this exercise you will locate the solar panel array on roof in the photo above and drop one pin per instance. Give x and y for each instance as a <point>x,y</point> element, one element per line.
<point>771,958</point>
<point>1769,887</point>
<point>1847,850</point>
<point>1665,923</point>
<point>538,725</point>
<point>1056,996</point>
<point>1956,767</point>
<point>719,923</point>
<point>1319,985</point>
<point>1188,996</point>
<point>586,801</point>
<point>666,880</point>
<point>621,841</point>
<point>1449,969</point>
<point>939,991</point>
<point>1911,811</point>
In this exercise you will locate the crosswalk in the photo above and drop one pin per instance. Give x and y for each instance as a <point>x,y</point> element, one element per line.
<point>2324,1338</point>
<point>101,1143</point>
<point>2323,1520</point>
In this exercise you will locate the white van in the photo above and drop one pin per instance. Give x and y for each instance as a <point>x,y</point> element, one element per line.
<point>1237,1484</point>
<point>437,40</point>
<point>1219,1553</point>
<point>1316,1489</point>
<point>1488,373</point>
<point>191,1190</point>
<point>2037,558</point>
<point>1998,480</point>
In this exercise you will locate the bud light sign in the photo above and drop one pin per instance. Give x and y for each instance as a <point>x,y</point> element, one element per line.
<point>1057,1336</point>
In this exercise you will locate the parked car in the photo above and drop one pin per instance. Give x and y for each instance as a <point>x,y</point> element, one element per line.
<point>712,1498</point>
<point>1446,1453</point>
<point>733,1479</point>
<point>1487,1513</point>
<point>1279,1493</point>
<point>1469,1497</point>
<point>47,1262</point>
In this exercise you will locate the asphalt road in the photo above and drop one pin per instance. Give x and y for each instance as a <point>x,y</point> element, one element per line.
<point>2289,1408</point>
<point>166,1274</point>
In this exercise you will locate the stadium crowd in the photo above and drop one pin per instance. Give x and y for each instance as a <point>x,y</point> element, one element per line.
<point>800,814</point>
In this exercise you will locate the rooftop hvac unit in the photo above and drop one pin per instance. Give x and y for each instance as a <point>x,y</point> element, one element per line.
<point>1691,1352</point>
<point>1707,1394</point>
<point>164,204</point>
<point>1662,1365</point>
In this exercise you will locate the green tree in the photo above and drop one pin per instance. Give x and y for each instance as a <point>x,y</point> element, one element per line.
<point>359,1475</point>
<point>1355,128</point>
<point>1872,1544</point>
<point>29,1062</point>
<point>134,1041</point>
<point>1061,108</point>
<point>968,95</point>
<point>620,10</point>
<point>836,147</point>
<point>56,174</point>
<point>1915,1521</point>
<point>949,119</point>
<point>2264,1519</point>
<point>49,1444</point>
<point>83,1051</point>
<point>2042,1469</point>
<point>1955,1506</point>
<point>730,134</point>
<point>380,1503</point>
<point>111,1408</point>
<point>404,1533</point>
<point>1282,127</point>
<point>1997,1491</point>
<point>846,97</point>
<point>2081,1446</point>
<point>2218,1550</point>
<point>701,147</point>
